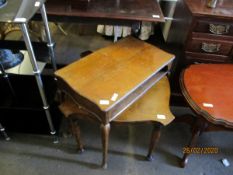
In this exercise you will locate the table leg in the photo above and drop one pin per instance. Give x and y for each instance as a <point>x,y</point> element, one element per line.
<point>105,129</point>
<point>195,134</point>
<point>154,140</point>
<point>76,132</point>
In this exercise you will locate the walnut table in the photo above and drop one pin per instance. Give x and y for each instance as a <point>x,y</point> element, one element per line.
<point>106,82</point>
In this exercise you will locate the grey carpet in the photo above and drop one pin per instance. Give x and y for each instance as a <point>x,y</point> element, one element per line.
<point>35,154</point>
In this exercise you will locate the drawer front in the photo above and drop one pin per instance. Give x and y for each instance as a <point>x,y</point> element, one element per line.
<point>203,45</point>
<point>216,28</point>
<point>192,57</point>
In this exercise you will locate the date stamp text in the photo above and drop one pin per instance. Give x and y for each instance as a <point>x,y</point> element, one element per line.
<point>200,150</point>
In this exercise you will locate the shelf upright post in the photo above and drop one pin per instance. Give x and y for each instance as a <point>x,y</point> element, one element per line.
<point>37,74</point>
<point>50,43</point>
<point>2,130</point>
<point>6,77</point>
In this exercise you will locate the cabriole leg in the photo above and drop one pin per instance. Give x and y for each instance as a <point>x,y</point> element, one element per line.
<point>154,140</point>
<point>76,132</point>
<point>195,134</point>
<point>105,129</point>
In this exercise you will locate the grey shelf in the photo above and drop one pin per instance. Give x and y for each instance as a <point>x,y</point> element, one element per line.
<point>19,11</point>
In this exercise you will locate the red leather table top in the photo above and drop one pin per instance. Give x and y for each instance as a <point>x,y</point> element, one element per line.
<point>209,90</point>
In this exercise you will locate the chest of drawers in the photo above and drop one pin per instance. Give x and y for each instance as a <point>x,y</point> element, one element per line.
<point>199,34</point>
<point>210,35</point>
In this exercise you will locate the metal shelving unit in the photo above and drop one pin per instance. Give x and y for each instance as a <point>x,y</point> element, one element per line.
<point>168,7</point>
<point>20,12</point>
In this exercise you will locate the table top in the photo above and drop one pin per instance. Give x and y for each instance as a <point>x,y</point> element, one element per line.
<point>19,11</point>
<point>114,77</point>
<point>152,106</point>
<point>208,88</point>
<point>139,10</point>
<point>224,8</point>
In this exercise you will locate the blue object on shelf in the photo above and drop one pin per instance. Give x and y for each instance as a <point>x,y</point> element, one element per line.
<point>2,3</point>
<point>9,59</point>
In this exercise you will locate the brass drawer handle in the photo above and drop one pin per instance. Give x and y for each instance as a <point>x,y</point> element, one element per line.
<point>210,47</point>
<point>219,29</point>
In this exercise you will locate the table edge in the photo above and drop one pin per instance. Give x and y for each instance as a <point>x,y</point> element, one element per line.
<point>200,112</point>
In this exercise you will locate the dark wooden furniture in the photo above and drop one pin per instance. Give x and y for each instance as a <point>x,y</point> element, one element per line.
<point>208,89</point>
<point>94,10</point>
<point>210,38</point>
<point>153,107</point>
<point>204,35</point>
<point>128,69</point>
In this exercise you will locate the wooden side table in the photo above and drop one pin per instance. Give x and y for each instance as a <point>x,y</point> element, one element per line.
<point>208,89</point>
<point>111,79</point>
<point>152,107</point>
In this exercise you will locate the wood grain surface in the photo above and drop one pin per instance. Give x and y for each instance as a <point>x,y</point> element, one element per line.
<point>118,68</point>
<point>223,9</point>
<point>152,106</point>
<point>141,10</point>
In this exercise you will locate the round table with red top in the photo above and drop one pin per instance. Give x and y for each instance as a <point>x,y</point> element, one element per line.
<point>208,90</point>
